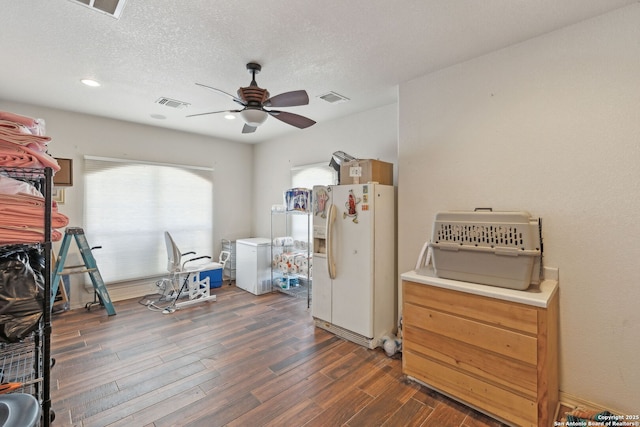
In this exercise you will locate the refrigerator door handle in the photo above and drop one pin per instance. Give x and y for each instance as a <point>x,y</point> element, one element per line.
<point>331,264</point>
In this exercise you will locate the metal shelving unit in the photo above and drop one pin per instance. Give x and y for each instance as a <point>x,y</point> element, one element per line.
<point>20,363</point>
<point>295,282</point>
<point>229,271</point>
<point>27,361</point>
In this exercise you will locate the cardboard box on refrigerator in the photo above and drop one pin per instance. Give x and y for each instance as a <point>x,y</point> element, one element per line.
<point>362,171</point>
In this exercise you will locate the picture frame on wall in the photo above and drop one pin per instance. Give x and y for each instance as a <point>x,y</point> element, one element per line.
<point>57,195</point>
<point>64,177</point>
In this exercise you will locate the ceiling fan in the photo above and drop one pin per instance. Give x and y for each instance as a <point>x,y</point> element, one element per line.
<point>254,99</point>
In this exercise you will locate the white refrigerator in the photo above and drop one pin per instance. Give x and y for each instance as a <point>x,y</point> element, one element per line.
<point>253,265</point>
<point>354,268</point>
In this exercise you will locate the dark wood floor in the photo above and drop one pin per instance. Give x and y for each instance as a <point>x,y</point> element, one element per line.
<point>242,360</point>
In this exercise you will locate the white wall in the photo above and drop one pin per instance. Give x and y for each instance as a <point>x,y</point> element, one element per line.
<point>369,135</point>
<point>75,135</point>
<point>551,126</point>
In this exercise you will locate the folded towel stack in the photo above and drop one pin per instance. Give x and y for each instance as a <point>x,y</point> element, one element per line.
<point>24,145</point>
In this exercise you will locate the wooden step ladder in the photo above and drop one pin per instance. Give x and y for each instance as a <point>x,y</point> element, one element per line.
<point>89,266</point>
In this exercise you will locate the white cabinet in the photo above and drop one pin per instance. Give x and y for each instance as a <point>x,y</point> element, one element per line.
<point>253,265</point>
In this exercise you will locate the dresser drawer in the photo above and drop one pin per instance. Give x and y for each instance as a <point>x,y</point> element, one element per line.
<point>505,342</point>
<point>486,365</point>
<point>488,310</point>
<point>500,402</point>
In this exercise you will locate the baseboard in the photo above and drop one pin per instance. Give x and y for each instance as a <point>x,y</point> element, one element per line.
<point>575,401</point>
<point>119,291</point>
<point>139,289</point>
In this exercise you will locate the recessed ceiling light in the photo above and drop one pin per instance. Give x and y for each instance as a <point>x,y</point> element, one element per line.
<point>90,82</point>
<point>229,116</point>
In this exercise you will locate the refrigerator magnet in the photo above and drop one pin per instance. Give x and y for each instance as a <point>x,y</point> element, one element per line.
<point>351,205</point>
<point>320,201</point>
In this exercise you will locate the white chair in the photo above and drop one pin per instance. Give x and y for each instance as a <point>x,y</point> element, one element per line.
<point>186,275</point>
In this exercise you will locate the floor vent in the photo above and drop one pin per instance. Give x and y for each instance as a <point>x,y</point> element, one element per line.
<point>333,97</point>
<point>172,103</point>
<point>108,7</point>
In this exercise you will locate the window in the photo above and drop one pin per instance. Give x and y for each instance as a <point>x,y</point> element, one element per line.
<point>129,205</point>
<point>306,177</point>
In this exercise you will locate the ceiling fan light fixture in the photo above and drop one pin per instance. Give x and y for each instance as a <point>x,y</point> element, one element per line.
<point>254,99</point>
<point>253,117</point>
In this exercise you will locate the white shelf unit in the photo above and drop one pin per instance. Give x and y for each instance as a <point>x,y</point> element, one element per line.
<point>297,284</point>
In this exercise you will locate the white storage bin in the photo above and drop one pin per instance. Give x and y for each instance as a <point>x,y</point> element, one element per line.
<point>493,248</point>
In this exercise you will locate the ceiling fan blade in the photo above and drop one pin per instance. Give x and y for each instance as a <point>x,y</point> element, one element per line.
<point>236,99</point>
<point>248,129</point>
<point>214,112</point>
<point>288,99</point>
<point>296,120</point>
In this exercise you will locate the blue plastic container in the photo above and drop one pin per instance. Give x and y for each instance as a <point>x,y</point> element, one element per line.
<point>214,275</point>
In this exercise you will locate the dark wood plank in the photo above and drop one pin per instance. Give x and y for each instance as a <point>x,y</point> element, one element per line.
<point>448,414</point>
<point>394,395</point>
<point>339,414</point>
<point>412,414</point>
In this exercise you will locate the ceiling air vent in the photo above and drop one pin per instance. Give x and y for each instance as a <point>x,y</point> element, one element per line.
<point>333,97</point>
<point>172,103</point>
<point>108,7</point>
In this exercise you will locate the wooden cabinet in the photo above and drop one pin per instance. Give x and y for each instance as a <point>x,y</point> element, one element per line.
<point>492,349</point>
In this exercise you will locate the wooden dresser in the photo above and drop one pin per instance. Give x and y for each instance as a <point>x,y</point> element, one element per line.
<point>491,348</point>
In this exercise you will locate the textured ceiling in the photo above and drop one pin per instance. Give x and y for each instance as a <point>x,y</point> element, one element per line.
<point>361,49</point>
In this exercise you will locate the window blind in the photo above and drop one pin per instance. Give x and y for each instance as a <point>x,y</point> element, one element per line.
<point>130,204</point>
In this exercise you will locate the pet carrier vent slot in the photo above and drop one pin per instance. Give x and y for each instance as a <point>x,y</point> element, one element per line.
<point>481,235</point>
